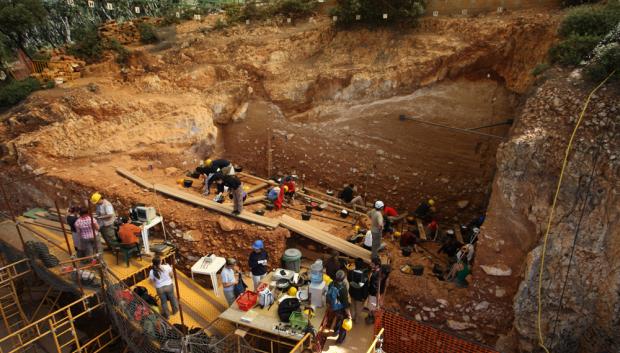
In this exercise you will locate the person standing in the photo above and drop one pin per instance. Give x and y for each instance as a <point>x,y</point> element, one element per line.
<point>72,216</point>
<point>376,287</point>
<point>105,217</point>
<point>86,228</point>
<point>376,227</point>
<point>358,287</point>
<point>258,262</point>
<point>161,276</point>
<point>229,280</point>
<point>339,305</point>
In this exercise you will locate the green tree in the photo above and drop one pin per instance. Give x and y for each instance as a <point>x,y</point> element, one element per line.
<point>18,20</point>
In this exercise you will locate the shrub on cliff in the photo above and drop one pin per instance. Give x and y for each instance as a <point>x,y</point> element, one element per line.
<point>147,33</point>
<point>581,30</point>
<point>252,11</point>
<point>14,92</point>
<point>373,12</point>
<point>89,46</point>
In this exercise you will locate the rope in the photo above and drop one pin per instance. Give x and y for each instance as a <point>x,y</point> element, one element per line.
<point>541,341</point>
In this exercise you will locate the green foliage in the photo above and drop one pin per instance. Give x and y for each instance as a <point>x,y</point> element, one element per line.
<point>147,33</point>
<point>590,20</point>
<point>609,61</point>
<point>122,54</point>
<point>573,50</point>
<point>18,20</point>
<point>89,45</point>
<point>251,11</point>
<point>567,3</point>
<point>219,24</point>
<point>581,30</point>
<point>15,91</point>
<point>372,12</point>
<point>540,68</point>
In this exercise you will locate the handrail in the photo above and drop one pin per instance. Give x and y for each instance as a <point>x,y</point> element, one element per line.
<point>373,345</point>
<point>40,330</point>
<point>14,274</point>
<point>300,345</point>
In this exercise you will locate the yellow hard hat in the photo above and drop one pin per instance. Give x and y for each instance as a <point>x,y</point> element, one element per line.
<point>347,324</point>
<point>397,234</point>
<point>95,197</point>
<point>292,291</point>
<point>327,279</point>
<point>285,188</point>
<point>180,181</point>
<point>357,228</point>
<point>208,162</point>
<point>431,202</point>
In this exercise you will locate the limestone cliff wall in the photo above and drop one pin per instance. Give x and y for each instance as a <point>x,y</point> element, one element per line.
<point>580,282</point>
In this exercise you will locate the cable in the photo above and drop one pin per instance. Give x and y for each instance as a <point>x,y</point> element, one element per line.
<point>575,237</point>
<point>541,341</point>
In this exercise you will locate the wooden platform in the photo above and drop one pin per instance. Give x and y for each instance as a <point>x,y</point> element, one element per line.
<point>198,201</point>
<point>324,238</point>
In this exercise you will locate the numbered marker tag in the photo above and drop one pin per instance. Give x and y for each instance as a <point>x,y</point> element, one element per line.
<point>109,6</point>
<point>137,9</point>
<point>358,17</point>
<point>288,20</point>
<point>385,16</point>
<point>178,15</point>
<point>435,13</point>
<point>500,9</point>
<point>464,12</point>
<point>321,0</point>
<point>247,22</point>
<point>70,2</point>
<point>197,17</point>
<point>335,18</point>
<point>91,3</point>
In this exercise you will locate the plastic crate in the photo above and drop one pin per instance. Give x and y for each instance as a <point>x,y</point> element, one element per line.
<point>298,320</point>
<point>247,300</point>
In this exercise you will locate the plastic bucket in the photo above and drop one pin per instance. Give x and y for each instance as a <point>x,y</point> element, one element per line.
<point>292,259</point>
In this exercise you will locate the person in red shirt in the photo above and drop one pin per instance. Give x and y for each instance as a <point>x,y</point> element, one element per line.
<point>389,214</point>
<point>128,233</point>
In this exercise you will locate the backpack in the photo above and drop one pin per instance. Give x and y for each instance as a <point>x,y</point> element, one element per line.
<point>265,297</point>
<point>333,294</point>
<point>240,287</point>
<point>358,279</point>
<point>286,307</point>
<point>143,293</point>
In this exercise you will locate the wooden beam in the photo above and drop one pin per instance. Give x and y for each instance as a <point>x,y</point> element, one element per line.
<point>255,188</point>
<point>327,239</point>
<point>332,199</point>
<point>199,200</point>
<point>255,199</point>
<point>421,229</point>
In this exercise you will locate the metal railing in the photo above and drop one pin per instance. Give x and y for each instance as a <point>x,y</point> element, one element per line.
<point>378,341</point>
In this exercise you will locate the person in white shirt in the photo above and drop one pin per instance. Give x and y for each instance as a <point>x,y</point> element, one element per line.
<point>229,280</point>
<point>161,276</point>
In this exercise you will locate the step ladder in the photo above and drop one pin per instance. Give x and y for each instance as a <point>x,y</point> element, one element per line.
<point>11,311</point>
<point>64,333</point>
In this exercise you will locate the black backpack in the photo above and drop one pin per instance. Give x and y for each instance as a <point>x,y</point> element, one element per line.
<point>286,307</point>
<point>143,293</point>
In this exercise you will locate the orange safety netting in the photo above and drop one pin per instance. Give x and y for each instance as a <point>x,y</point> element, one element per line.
<point>403,335</point>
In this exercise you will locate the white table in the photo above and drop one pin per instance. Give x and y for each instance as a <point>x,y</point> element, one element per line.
<point>145,233</point>
<point>206,267</point>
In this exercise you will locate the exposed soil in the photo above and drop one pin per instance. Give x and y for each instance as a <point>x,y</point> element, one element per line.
<point>332,102</point>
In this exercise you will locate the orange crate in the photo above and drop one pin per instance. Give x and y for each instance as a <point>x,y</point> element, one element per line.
<point>247,300</point>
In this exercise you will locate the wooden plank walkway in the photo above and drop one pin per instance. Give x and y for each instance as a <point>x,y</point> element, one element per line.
<point>421,229</point>
<point>324,238</point>
<point>198,200</point>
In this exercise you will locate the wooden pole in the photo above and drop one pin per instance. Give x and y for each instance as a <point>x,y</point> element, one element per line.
<point>64,230</point>
<point>8,205</point>
<point>176,285</point>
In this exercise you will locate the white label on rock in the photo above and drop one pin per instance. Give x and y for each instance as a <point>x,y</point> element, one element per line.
<point>358,17</point>
<point>197,17</point>
<point>385,16</point>
<point>109,6</point>
<point>70,2</point>
<point>464,12</point>
<point>137,9</point>
<point>178,15</point>
<point>435,13</point>
<point>91,3</point>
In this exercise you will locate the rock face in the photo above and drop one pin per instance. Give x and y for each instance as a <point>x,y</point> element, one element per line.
<point>580,298</point>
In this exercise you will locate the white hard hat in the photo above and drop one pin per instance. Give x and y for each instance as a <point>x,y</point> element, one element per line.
<point>476,230</point>
<point>379,205</point>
